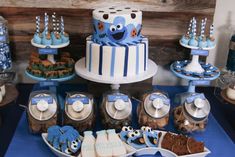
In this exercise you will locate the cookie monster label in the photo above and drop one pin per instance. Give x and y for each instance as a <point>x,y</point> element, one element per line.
<point>113,98</point>
<point>196,96</point>
<point>199,52</point>
<point>84,100</point>
<point>50,51</point>
<point>156,96</point>
<point>201,83</point>
<point>35,100</point>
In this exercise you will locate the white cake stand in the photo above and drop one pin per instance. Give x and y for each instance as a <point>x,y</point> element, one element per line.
<point>114,81</point>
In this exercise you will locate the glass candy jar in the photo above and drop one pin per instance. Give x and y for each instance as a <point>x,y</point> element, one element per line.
<point>5,56</point>
<point>192,115</point>
<point>116,110</point>
<point>154,110</point>
<point>42,111</point>
<point>79,111</point>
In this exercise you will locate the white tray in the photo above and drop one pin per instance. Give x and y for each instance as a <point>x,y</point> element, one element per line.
<point>196,47</point>
<point>84,73</point>
<point>58,153</point>
<point>49,46</point>
<point>132,151</point>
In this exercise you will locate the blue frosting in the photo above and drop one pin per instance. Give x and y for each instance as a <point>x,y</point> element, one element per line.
<point>37,38</point>
<point>65,139</point>
<point>46,41</point>
<point>185,39</point>
<point>64,37</point>
<point>210,43</point>
<point>56,40</point>
<point>136,139</point>
<point>202,44</point>
<point>116,33</point>
<point>193,42</point>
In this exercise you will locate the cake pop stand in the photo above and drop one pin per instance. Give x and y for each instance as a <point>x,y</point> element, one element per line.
<point>115,82</point>
<point>194,66</point>
<point>45,83</point>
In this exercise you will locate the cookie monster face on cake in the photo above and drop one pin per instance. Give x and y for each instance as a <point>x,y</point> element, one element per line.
<point>117,25</point>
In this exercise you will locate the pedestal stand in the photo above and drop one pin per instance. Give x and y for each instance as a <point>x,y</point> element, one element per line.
<point>114,82</point>
<point>196,72</point>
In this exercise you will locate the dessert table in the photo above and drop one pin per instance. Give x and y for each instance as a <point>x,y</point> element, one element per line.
<point>24,144</point>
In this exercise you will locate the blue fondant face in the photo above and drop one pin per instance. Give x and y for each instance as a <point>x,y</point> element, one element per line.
<point>124,133</point>
<point>136,140</point>
<point>74,145</point>
<point>150,136</point>
<point>65,139</point>
<point>117,31</point>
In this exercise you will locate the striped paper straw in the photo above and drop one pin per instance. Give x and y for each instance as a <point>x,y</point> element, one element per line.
<point>211,30</point>
<point>62,25</point>
<point>38,24</point>
<point>54,21</point>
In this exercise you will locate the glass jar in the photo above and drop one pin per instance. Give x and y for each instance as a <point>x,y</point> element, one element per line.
<point>154,110</point>
<point>42,111</point>
<point>192,115</point>
<point>116,110</point>
<point>79,111</point>
<point>5,56</point>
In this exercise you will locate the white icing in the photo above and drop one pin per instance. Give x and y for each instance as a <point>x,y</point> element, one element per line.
<point>95,58</point>
<point>119,60</point>
<point>126,13</point>
<point>132,60</point>
<point>107,62</point>
<point>141,56</point>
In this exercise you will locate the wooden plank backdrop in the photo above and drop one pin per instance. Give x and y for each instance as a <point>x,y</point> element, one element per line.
<point>164,21</point>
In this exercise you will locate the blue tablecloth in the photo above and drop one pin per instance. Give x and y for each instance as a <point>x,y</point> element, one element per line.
<point>25,144</point>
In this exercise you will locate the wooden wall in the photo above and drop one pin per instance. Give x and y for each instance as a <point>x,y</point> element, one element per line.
<point>164,21</point>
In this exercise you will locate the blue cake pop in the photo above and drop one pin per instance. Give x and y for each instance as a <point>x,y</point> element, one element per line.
<point>46,40</point>
<point>202,43</point>
<point>211,39</point>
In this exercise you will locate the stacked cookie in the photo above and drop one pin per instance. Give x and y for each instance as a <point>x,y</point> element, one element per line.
<point>39,66</point>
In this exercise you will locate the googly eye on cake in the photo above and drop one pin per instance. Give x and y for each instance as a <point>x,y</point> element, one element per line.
<point>202,41</point>
<point>54,39</point>
<point>63,141</point>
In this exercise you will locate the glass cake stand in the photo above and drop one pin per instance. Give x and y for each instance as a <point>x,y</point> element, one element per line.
<point>114,81</point>
<point>196,72</point>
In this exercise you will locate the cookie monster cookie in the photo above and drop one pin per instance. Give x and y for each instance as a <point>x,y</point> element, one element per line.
<point>150,136</point>
<point>136,139</point>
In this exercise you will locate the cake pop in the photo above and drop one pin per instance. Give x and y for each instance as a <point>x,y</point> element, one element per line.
<point>185,38</point>
<point>46,40</point>
<point>57,40</point>
<point>64,35</point>
<point>37,38</point>
<point>193,41</point>
<point>211,39</point>
<point>202,40</point>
